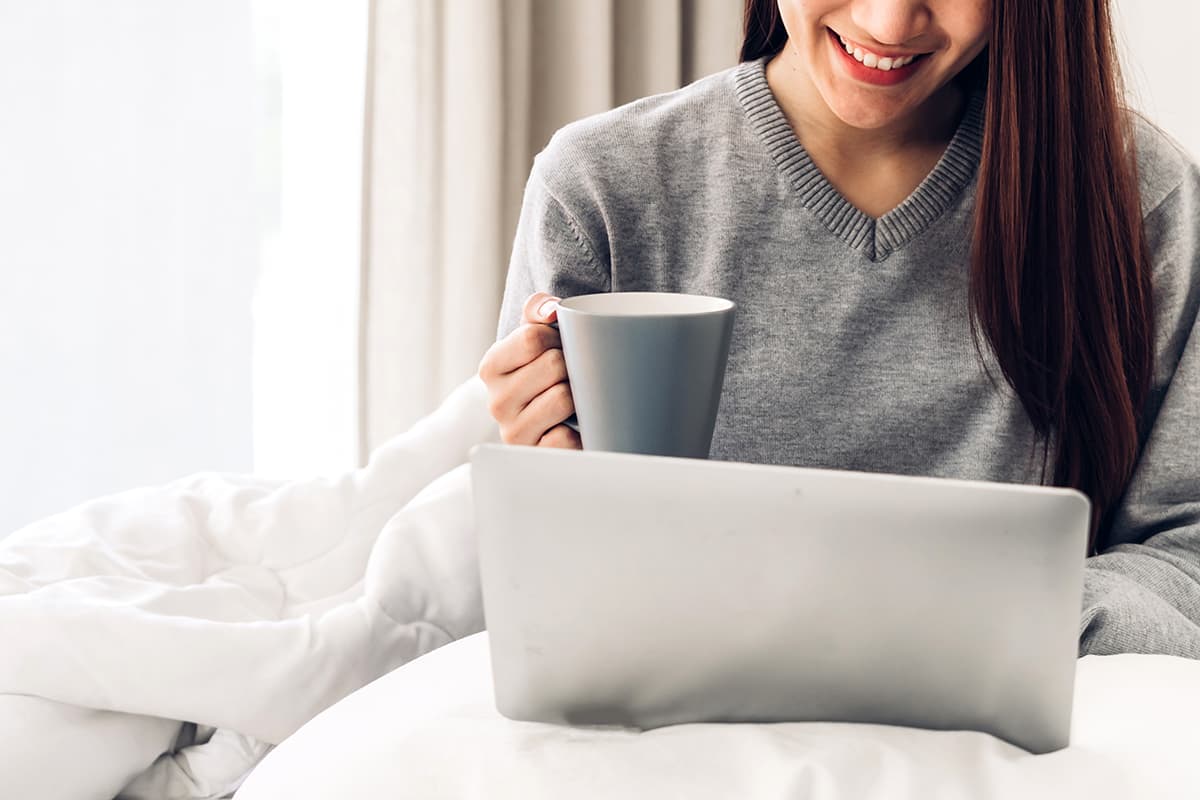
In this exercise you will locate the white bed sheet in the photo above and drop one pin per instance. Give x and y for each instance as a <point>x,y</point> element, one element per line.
<point>430,730</point>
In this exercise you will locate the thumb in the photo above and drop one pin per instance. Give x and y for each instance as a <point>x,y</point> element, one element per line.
<point>541,307</point>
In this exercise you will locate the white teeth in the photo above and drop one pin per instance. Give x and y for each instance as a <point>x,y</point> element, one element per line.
<point>874,60</point>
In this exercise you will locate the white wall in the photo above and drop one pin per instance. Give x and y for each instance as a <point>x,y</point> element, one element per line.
<point>1157,38</point>
<point>128,246</point>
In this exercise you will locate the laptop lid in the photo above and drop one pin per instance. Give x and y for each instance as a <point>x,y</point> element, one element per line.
<point>646,591</point>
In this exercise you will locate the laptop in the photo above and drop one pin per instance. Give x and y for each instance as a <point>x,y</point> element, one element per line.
<point>644,591</point>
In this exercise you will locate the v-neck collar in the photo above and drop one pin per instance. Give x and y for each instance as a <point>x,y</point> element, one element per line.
<point>875,238</point>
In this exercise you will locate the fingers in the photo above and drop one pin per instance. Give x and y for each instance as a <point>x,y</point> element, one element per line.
<point>541,307</point>
<point>540,416</point>
<point>511,394</point>
<point>562,437</point>
<point>532,338</point>
<point>519,348</point>
<point>526,377</point>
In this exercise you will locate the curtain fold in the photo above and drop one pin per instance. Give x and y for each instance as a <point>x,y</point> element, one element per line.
<point>461,95</point>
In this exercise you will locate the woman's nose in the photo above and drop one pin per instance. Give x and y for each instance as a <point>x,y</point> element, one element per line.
<point>892,22</point>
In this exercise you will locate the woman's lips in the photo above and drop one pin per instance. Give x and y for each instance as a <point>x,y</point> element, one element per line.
<point>868,70</point>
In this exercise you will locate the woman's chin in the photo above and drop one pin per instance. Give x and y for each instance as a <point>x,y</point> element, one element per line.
<point>868,110</point>
<point>867,117</point>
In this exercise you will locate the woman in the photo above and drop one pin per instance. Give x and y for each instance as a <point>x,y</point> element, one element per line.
<point>906,199</point>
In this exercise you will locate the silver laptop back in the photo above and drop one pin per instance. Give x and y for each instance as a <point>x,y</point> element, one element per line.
<point>646,591</point>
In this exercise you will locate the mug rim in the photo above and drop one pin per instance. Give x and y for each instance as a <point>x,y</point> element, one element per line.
<point>690,305</point>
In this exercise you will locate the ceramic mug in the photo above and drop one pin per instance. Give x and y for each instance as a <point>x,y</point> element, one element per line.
<point>646,369</point>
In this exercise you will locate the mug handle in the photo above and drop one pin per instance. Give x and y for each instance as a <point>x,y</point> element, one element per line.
<point>572,421</point>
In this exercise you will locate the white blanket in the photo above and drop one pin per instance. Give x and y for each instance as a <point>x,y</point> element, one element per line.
<point>430,730</point>
<point>243,605</point>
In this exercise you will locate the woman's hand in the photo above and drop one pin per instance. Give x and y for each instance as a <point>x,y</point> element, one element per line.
<point>526,379</point>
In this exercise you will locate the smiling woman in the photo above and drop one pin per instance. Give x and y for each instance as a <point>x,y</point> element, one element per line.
<point>980,266</point>
<point>949,284</point>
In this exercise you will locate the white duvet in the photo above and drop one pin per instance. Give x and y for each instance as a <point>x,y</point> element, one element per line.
<point>158,643</point>
<point>242,605</point>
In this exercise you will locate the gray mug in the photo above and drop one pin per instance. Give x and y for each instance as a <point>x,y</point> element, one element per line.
<point>646,369</point>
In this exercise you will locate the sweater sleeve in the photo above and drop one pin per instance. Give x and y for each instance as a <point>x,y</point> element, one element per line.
<point>551,253</point>
<point>1142,595</point>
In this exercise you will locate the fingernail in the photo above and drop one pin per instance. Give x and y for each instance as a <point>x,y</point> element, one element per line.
<point>547,308</point>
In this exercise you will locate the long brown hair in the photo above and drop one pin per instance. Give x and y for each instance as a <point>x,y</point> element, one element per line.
<point>1060,273</point>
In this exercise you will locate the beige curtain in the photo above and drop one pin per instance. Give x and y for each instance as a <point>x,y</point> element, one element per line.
<point>461,94</point>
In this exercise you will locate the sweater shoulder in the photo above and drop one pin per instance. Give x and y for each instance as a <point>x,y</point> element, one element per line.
<point>629,146</point>
<point>1164,166</point>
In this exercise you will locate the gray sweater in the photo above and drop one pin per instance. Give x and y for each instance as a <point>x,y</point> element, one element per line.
<point>851,347</point>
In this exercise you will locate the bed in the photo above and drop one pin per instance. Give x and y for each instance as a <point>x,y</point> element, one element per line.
<point>323,639</point>
<point>430,730</point>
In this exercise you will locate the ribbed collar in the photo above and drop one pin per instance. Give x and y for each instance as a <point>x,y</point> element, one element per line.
<point>876,238</point>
